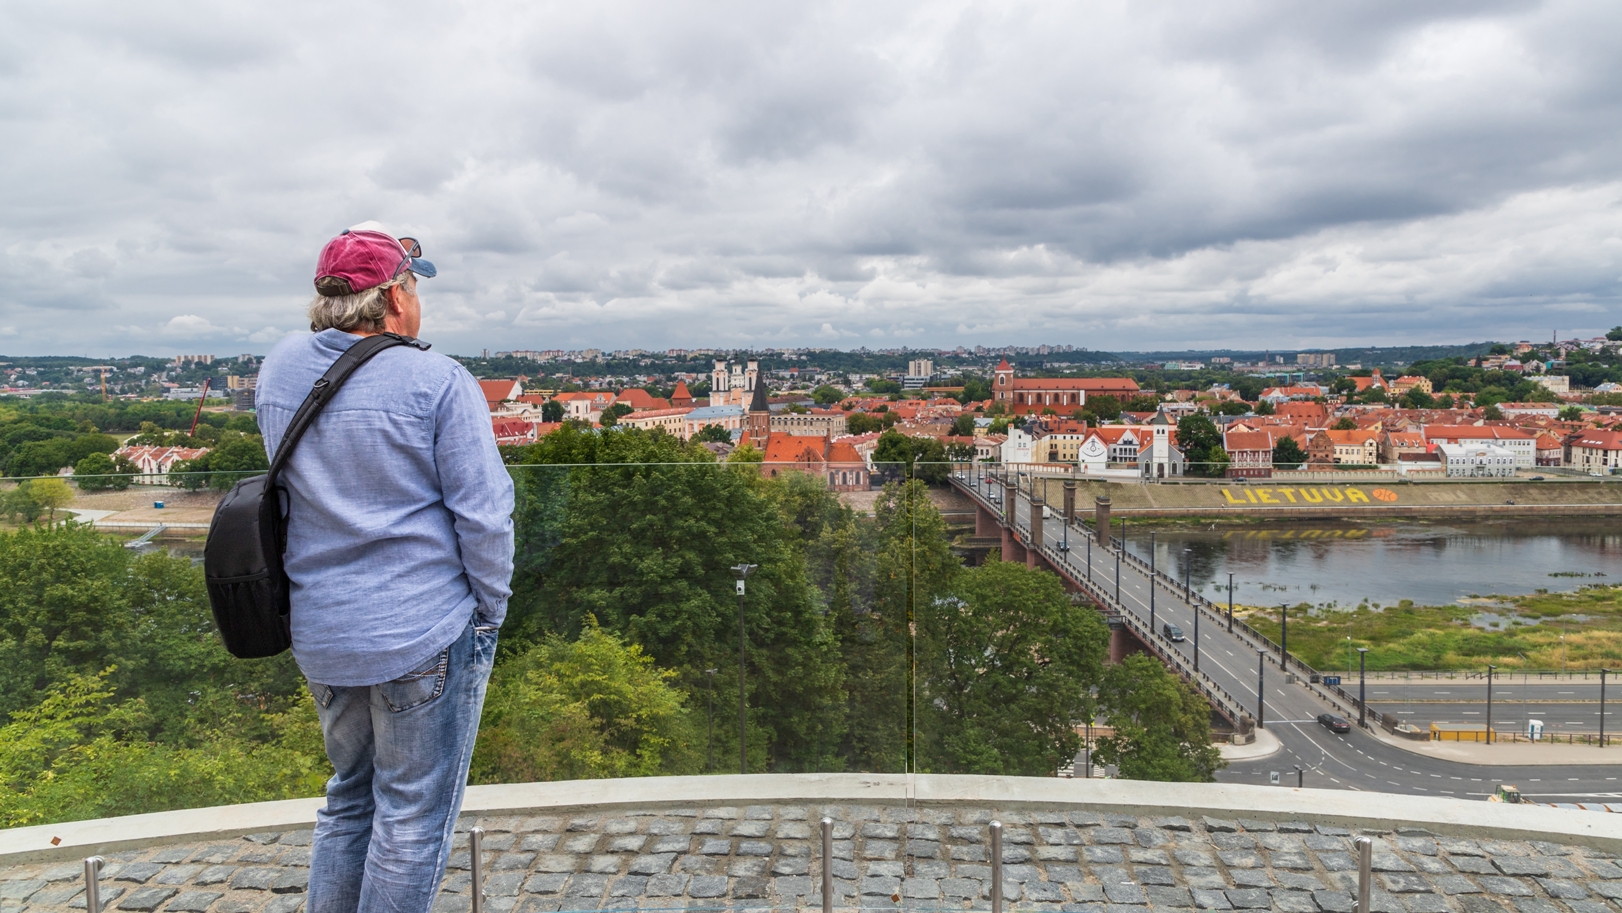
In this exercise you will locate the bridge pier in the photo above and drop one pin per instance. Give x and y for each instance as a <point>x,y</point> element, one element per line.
<point>1123,643</point>
<point>985,523</point>
<point>1101,519</point>
<point>1012,550</point>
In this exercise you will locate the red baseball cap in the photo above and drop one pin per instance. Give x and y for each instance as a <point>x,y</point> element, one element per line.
<point>363,257</point>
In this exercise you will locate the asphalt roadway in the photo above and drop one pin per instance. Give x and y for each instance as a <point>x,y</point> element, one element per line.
<point>1356,760</point>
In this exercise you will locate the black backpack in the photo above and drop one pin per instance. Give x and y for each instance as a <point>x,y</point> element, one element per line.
<point>242,559</point>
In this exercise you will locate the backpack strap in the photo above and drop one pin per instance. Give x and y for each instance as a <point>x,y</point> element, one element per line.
<point>327,387</point>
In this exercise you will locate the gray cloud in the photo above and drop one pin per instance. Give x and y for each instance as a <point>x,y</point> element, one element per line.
<point>1118,176</point>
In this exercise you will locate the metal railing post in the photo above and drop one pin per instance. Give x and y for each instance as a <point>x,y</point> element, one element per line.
<point>92,886</point>
<point>476,857</point>
<point>827,865</point>
<point>996,867</point>
<point>1365,860</point>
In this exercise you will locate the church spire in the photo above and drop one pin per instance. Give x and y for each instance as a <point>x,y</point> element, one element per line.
<point>759,420</point>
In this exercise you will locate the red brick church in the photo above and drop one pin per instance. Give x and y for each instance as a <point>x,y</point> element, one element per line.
<point>1064,395</point>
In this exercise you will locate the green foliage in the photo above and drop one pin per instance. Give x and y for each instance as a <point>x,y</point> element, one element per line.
<point>1162,726</point>
<point>963,425</point>
<point>826,395</point>
<point>1416,398</point>
<point>552,411</point>
<point>100,472</point>
<point>50,494</point>
<point>1492,413</point>
<point>1232,408</point>
<point>1614,334</point>
<point>714,434</point>
<point>1287,454</point>
<point>613,414</point>
<point>1345,423</point>
<point>899,456</point>
<point>1571,414</point>
<point>880,385</point>
<point>584,709</point>
<point>1201,444</point>
<point>19,504</point>
<point>234,458</point>
<point>1007,665</point>
<point>1266,407</point>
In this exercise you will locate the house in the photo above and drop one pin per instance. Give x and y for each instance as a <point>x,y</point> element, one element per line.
<point>497,392</point>
<point>1312,415</point>
<point>1373,380</point>
<point>1396,446</point>
<point>1516,441</point>
<point>1596,451</point>
<point>1250,454</point>
<point>1476,460</point>
<point>1551,452</point>
<point>640,400</point>
<point>512,432</point>
<point>681,398</point>
<point>1279,395</point>
<point>1320,451</point>
<point>728,417</point>
<point>1035,444</point>
<point>1411,382</point>
<point>837,462</point>
<point>1026,395</point>
<point>1357,447</point>
<point>1523,410</point>
<point>153,464</point>
<point>671,421</point>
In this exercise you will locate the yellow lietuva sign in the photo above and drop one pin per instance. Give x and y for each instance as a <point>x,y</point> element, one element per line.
<point>1287,496</point>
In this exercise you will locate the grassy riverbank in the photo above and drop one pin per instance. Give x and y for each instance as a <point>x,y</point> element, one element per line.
<point>1512,632</point>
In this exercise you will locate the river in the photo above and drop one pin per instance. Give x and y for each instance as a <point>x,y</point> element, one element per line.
<point>1429,563</point>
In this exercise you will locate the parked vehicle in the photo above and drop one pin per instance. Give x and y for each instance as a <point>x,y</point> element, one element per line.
<point>1334,723</point>
<point>1172,632</point>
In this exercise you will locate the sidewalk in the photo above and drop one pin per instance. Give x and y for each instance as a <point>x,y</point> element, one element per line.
<point>1506,753</point>
<point>1266,743</point>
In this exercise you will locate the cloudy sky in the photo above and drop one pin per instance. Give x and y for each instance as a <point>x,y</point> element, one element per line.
<point>1126,175</point>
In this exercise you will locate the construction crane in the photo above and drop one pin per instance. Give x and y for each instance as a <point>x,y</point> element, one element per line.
<point>202,398</point>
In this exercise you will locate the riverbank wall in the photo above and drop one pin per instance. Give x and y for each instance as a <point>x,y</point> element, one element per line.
<point>1287,499</point>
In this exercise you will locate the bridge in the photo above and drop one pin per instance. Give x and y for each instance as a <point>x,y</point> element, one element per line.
<point>1245,676</point>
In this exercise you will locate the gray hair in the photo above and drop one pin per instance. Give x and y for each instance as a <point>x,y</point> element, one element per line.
<point>363,311</point>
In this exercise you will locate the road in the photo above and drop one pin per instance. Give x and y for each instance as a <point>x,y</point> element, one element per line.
<point>1230,664</point>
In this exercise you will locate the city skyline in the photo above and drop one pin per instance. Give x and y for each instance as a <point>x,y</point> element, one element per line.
<point>1133,177</point>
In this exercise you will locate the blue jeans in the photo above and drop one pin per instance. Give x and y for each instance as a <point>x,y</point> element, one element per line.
<point>401,752</point>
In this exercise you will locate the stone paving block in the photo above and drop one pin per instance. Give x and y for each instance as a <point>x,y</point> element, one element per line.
<point>960,887</point>
<point>1299,881</point>
<point>1477,903</point>
<point>1203,877</point>
<point>542,843</point>
<point>587,885</point>
<point>1141,856</point>
<point>504,884</point>
<point>292,881</point>
<point>1056,854</point>
<point>1244,859</point>
<point>1155,874</point>
<point>1220,825</point>
<point>1474,865</point>
<point>1389,862</point>
<point>1337,862</point>
<point>145,900</point>
<point>556,862</point>
<point>1257,826</point>
<point>1545,848</point>
<point>1402,883</point>
<point>747,868</point>
<point>1426,903</point>
<point>1111,835</point>
<point>969,853</point>
<point>1329,830</point>
<point>580,843</point>
<point>1124,892</point>
<point>1455,884</point>
<point>194,901</point>
<point>603,865</point>
<point>1175,898</point>
<point>1563,889</point>
<point>1333,901</point>
<point>1432,865</point>
<point>1535,905</point>
<point>1205,899</point>
<point>537,905</point>
<point>1610,889</point>
<point>1250,878</point>
<point>21,889</point>
<point>1103,854</point>
<point>1290,860</point>
<point>257,879</point>
<point>1249,898</point>
<point>546,884</point>
<point>138,872</point>
<point>1600,868</point>
<point>1233,841</point>
<point>1294,902</point>
<point>749,888</point>
<point>704,886</point>
<point>1590,906</point>
<point>109,893</point>
<point>1506,887</point>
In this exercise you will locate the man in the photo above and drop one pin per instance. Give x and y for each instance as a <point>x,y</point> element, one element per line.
<point>399,551</point>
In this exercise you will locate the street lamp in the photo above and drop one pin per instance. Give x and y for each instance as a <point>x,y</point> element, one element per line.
<point>1602,674</point>
<point>1151,583</point>
<point>1490,669</point>
<point>1283,635</point>
<point>743,571</point>
<point>1118,576</point>
<point>710,674</point>
<point>1362,683</point>
<point>1230,603</point>
<point>1188,571</point>
<point>1261,676</point>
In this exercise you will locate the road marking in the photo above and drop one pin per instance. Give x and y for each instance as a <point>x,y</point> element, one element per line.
<point>1455,778</point>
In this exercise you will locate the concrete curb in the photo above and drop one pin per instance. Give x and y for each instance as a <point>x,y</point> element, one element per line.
<point>1266,744</point>
<point>1375,811</point>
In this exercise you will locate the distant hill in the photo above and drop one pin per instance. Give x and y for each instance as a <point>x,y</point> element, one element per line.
<point>1368,356</point>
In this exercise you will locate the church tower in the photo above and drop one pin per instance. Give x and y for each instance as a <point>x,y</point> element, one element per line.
<point>1003,383</point>
<point>718,384</point>
<point>759,420</point>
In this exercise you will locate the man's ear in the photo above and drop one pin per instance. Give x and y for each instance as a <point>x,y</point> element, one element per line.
<point>393,294</point>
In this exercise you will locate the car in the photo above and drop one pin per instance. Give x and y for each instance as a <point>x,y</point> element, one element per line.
<point>1537,478</point>
<point>1334,723</point>
<point>1172,632</point>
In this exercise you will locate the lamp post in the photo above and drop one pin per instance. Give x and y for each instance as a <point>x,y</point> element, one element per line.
<point>710,674</point>
<point>1261,677</point>
<point>1188,575</point>
<point>1362,681</point>
<point>1151,583</point>
<point>1089,559</point>
<point>1117,576</point>
<point>1196,636</point>
<point>1230,603</point>
<point>1602,674</point>
<point>1283,634</point>
<point>743,571</point>
<point>1490,669</point>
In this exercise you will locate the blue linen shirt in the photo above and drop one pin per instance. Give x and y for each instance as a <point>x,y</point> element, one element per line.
<point>400,510</point>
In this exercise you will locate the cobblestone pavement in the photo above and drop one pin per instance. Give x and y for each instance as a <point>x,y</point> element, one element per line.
<point>885,858</point>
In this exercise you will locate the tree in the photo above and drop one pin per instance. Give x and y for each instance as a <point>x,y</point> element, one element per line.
<point>613,414</point>
<point>1346,423</point>
<point>1571,414</point>
<point>1287,454</point>
<point>1614,334</point>
<point>1415,398</point>
<point>19,504</point>
<point>1201,444</point>
<point>51,494</point>
<point>862,423</point>
<point>880,385</point>
<point>714,434</point>
<point>551,411</point>
<point>1265,407</point>
<point>1162,727</point>
<point>1104,406</point>
<point>1232,407</point>
<point>1007,666</point>
<point>748,453</point>
<point>827,395</point>
<point>591,708</point>
<point>1492,413</point>
<point>236,457</point>
<point>95,473</point>
<point>899,455</point>
<point>963,425</point>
